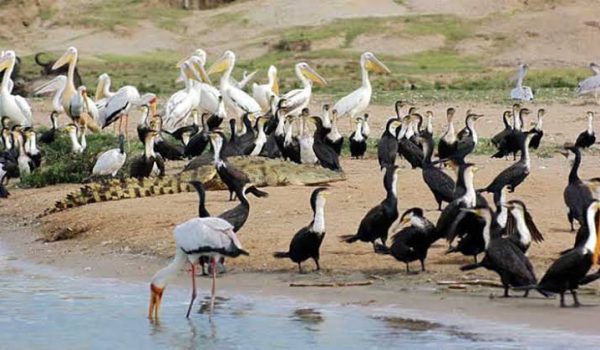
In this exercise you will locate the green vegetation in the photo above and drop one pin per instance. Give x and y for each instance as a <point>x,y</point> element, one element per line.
<point>452,27</point>
<point>60,165</point>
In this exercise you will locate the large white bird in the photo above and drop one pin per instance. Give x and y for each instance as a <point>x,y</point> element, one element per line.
<point>590,85</point>
<point>57,87</point>
<point>13,106</point>
<point>199,237</point>
<point>117,107</point>
<point>103,89</point>
<point>77,146</point>
<point>236,100</point>
<point>358,100</point>
<point>521,92</point>
<point>263,93</point>
<point>111,161</point>
<point>298,99</point>
<point>180,104</point>
<point>90,119</point>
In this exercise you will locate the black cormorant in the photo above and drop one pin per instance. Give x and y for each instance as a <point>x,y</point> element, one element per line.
<point>447,143</point>
<point>515,174</point>
<point>587,137</point>
<point>412,243</point>
<point>231,176</point>
<point>538,129</point>
<point>466,140</point>
<point>49,135</point>
<point>520,228</point>
<point>440,184</point>
<point>326,155</point>
<point>358,141</point>
<point>502,255</point>
<point>569,271</point>
<point>150,163</point>
<point>407,148</point>
<point>387,147</point>
<point>577,195</point>
<point>291,145</point>
<point>377,222</point>
<point>306,243</point>
<point>333,138</point>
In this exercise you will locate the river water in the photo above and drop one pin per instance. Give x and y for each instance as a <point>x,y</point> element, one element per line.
<point>43,308</point>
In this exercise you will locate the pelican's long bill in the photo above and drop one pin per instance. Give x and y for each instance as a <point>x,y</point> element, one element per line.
<point>199,67</point>
<point>66,58</point>
<point>374,64</point>
<point>311,74</point>
<point>219,66</point>
<point>4,62</point>
<point>190,72</point>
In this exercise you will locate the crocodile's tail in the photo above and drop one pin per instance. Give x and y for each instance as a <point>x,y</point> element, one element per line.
<point>117,189</point>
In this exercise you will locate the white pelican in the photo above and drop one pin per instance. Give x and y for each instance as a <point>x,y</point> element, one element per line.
<point>13,106</point>
<point>208,94</point>
<point>590,85</point>
<point>111,161</point>
<point>263,93</point>
<point>299,99</point>
<point>358,100</point>
<point>56,86</point>
<point>199,237</point>
<point>103,88</point>
<point>180,104</point>
<point>521,92</point>
<point>70,58</point>
<point>235,99</point>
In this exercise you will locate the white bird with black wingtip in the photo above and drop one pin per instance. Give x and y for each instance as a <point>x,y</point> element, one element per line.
<point>111,161</point>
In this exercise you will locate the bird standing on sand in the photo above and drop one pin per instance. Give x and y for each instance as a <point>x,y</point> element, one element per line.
<point>521,92</point>
<point>577,195</point>
<point>195,238</point>
<point>502,255</point>
<point>387,147</point>
<point>590,85</point>
<point>306,243</point>
<point>111,161</point>
<point>412,243</point>
<point>587,137</point>
<point>358,140</point>
<point>376,224</point>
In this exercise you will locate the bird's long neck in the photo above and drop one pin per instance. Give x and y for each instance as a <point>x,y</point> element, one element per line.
<point>164,275</point>
<point>149,146</point>
<point>217,148</point>
<point>450,134</point>
<point>202,212</point>
<point>590,129</point>
<point>54,120</point>
<point>280,130</point>
<point>226,77</point>
<point>487,231</point>
<point>524,233</point>
<point>590,243</point>
<point>471,127</point>
<point>470,197</point>
<point>525,151</point>
<point>306,83</point>
<point>427,150</point>
<point>319,218</point>
<point>501,211</point>
<point>391,189</point>
<point>6,77</point>
<point>365,75</point>
<point>574,173</point>
<point>539,123</point>
<point>520,77</point>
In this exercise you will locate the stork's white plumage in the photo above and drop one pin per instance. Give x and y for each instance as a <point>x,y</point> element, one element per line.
<point>263,93</point>
<point>13,106</point>
<point>57,87</point>
<point>199,237</point>
<point>111,161</point>
<point>521,92</point>
<point>299,99</point>
<point>357,101</point>
<point>180,104</point>
<point>118,106</point>
<point>236,100</point>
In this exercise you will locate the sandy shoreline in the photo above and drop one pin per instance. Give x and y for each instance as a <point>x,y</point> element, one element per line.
<point>425,299</point>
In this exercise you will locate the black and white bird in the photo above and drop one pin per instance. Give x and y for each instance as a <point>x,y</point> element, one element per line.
<point>447,143</point>
<point>411,243</point>
<point>502,255</point>
<point>231,176</point>
<point>520,227</point>
<point>49,135</point>
<point>440,184</point>
<point>377,222</point>
<point>587,137</point>
<point>521,92</point>
<point>306,243</point>
<point>149,164</point>
<point>387,147</point>
<point>111,161</point>
<point>569,271</point>
<point>515,174</point>
<point>577,195</point>
<point>3,191</point>
<point>358,140</point>
<point>195,238</point>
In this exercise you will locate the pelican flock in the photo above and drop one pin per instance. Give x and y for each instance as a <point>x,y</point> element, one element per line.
<point>266,122</point>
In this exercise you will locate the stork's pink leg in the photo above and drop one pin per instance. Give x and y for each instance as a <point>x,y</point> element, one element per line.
<point>213,264</point>
<point>193,290</point>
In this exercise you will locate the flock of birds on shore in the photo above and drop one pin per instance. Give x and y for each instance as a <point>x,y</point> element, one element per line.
<point>503,234</point>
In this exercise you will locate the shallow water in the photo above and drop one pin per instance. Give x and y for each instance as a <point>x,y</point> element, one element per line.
<point>41,308</point>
